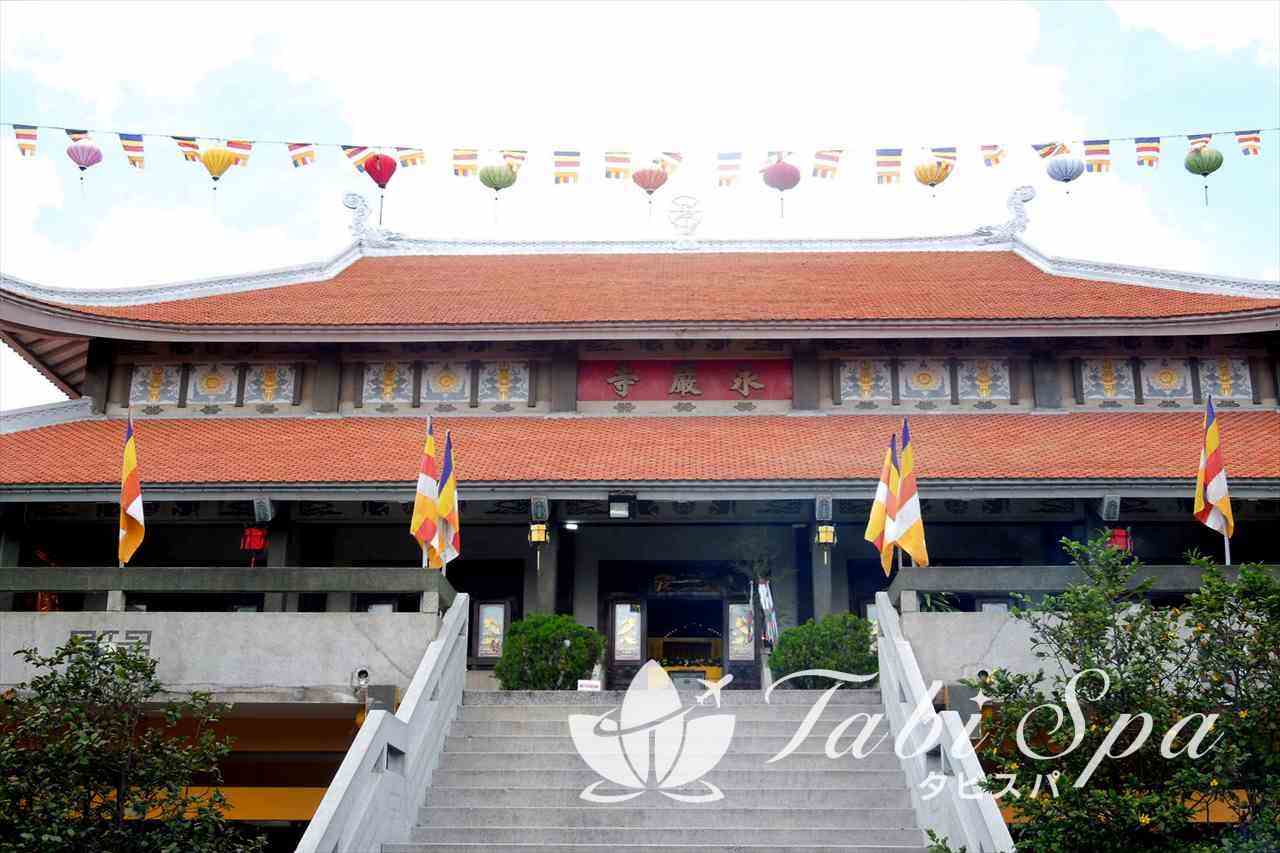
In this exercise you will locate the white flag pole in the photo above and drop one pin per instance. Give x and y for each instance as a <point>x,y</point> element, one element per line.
<point>1226,547</point>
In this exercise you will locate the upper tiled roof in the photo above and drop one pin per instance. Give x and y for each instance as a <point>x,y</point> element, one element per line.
<point>678,288</point>
<point>1121,445</point>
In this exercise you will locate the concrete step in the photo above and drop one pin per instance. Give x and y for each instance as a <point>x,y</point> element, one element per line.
<point>742,728</point>
<point>727,779</point>
<point>614,697</point>
<point>684,833</point>
<point>630,815</point>
<point>793,713</point>
<point>766,747</point>
<point>874,796</point>
<point>675,847</point>
<point>569,760</point>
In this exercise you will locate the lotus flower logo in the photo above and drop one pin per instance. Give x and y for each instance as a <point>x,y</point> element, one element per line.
<point>652,743</point>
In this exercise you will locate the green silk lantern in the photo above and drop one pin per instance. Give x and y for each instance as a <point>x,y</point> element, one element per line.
<point>1204,162</point>
<point>497,178</point>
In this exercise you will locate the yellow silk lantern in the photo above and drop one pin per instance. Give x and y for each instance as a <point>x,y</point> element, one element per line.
<point>932,174</point>
<point>217,161</point>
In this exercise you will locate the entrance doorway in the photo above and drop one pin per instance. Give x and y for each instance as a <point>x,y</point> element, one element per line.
<point>685,635</point>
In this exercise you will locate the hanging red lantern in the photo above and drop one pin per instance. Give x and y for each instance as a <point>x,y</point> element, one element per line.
<point>1120,539</point>
<point>254,541</point>
<point>380,168</point>
<point>781,176</point>
<point>650,180</point>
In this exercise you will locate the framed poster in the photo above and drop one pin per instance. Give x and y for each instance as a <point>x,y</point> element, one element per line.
<point>628,632</point>
<point>742,640</point>
<point>491,620</point>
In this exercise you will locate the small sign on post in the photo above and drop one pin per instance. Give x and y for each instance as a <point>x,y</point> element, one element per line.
<point>589,684</point>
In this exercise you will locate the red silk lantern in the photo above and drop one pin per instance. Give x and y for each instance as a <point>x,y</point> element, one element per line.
<point>781,176</point>
<point>380,168</point>
<point>650,180</point>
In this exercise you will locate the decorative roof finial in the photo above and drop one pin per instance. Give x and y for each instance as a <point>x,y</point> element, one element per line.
<point>361,230</point>
<point>1006,232</point>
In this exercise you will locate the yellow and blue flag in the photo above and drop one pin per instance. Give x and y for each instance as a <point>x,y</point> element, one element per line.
<point>132,525</point>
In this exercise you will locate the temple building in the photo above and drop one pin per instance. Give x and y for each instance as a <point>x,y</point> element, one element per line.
<point>641,430</point>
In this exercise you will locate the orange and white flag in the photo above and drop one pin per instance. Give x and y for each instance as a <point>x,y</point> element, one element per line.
<point>1213,501</point>
<point>425,524</point>
<point>132,526</point>
<point>907,529</point>
<point>884,507</point>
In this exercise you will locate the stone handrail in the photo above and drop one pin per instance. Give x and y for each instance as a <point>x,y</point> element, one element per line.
<point>969,818</point>
<point>374,797</point>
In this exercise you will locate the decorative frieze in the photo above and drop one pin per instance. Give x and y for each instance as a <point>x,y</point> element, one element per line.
<point>685,385</point>
<point>155,385</point>
<point>387,383</point>
<point>270,384</point>
<point>212,385</point>
<point>504,382</point>
<point>866,382</point>
<point>446,382</point>
<point>983,380</point>
<point>1166,381</point>
<point>1108,381</point>
<point>1225,378</point>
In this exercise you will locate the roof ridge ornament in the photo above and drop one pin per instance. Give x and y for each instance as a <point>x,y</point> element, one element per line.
<point>364,233</point>
<point>1006,232</point>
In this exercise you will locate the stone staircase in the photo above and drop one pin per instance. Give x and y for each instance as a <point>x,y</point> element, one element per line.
<point>510,779</point>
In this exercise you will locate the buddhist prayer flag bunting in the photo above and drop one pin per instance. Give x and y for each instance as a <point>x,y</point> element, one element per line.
<point>907,529</point>
<point>357,154</point>
<point>728,167</point>
<point>1050,149</point>
<point>514,157</point>
<point>424,526</point>
<point>302,153</point>
<point>464,162</point>
<point>241,148</point>
<point>883,507</point>
<point>567,164</point>
<point>1148,149</point>
<point>1199,140</point>
<point>617,165</point>
<point>1213,503</point>
<point>945,155</point>
<point>132,145</point>
<point>132,526</point>
<point>77,135</point>
<point>826,162</point>
<point>447,507</point>
<point>25,134</point>
<point>992,155</point>
<point>188,148</point>
<point>669,161</point>
<point>888,165</point>
<point>410,156</point>
<point>1250,142</point>
<point>1097,155</point>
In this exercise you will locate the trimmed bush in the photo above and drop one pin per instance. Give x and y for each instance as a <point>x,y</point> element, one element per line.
<point>841,641</point>
<point>546,652</point>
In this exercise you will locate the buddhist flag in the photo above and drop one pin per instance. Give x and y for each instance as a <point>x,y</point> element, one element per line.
<point>132,527</point>
<point>1148,150</point>
<point>1213,503</point>
<point>1250,142</point>
<point>188,148</point>
<point>1097,155</point>
<point>424,526</point>
<point>728,167</point>
<point>944,155</point>
<point>888,165</point>
<point>447,508</point>
<point>302,153</point>
<point>357,154</point>
<point>907,528</point>
<point>669,161</point>
<point>241,148</point>
<point>617,165</point>
<point>464,162</point>
<point>410,156</point>
<point>514,157</point>
<point>884,507</point>
<point>992,155</point>
<point>1199,140</point>
<point>826,162</point>
<point>25,134</point>
<point>77,135</point>
<point>567,164</point>
<point>132,145</point>
<point>1050,149</point>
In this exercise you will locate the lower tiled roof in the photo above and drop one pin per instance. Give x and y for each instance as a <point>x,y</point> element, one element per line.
<point>696,448</point>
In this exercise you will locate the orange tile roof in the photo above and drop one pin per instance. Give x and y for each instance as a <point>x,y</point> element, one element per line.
<point>452,290</point>
<point>743,448</point>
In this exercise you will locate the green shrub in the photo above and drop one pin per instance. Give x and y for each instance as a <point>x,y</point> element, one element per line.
<point>545,652</point>
<point>841,641</point>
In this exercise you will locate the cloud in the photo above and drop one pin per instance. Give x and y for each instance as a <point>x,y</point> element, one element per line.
<point>1224,26</point>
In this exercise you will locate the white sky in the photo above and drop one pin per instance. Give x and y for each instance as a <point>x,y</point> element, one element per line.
<point>692,77</point>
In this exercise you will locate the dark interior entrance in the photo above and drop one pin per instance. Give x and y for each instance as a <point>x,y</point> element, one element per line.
<point>685,635</point>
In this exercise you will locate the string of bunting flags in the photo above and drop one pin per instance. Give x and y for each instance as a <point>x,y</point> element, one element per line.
<point>617,165</point>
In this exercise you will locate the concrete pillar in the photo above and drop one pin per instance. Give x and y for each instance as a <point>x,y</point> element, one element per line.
<point>338,602</point>
<point>820,558</point>
<point>1046,382</point>
<point>430,602</point>
<point>540,575</point>
<point>115,600</point>
<point>273,602</point>
<point>586,589</point>
<point>805,390</point>
<point>909,601</point>
<point>97,376</point>
<point>564,380</point>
